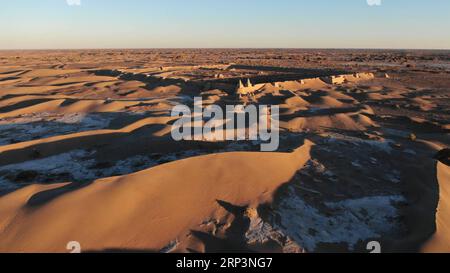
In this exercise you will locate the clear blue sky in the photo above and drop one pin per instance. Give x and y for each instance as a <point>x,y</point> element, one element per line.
<point>35,24</point>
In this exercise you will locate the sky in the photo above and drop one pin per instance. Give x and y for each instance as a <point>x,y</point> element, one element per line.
<point>77,24</point>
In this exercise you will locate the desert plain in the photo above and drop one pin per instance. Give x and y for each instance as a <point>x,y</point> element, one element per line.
<point>87,156</point>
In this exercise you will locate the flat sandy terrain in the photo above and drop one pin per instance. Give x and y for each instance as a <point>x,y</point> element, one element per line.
<point>86,152</point>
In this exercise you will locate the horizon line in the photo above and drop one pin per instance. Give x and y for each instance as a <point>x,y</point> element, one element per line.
<point>232,48</point>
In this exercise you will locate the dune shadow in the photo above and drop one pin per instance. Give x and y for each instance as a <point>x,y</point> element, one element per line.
<point>347,172</point>
<point>43,197</point>
<point>234,238</point>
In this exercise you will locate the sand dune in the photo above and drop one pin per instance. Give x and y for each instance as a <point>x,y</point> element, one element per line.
<point>145,210</point>
<point>340,121</point>
<point>59,144</point>
<point>440,242</point>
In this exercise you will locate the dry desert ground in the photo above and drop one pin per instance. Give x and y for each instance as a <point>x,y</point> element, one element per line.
<point>86,152</point>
